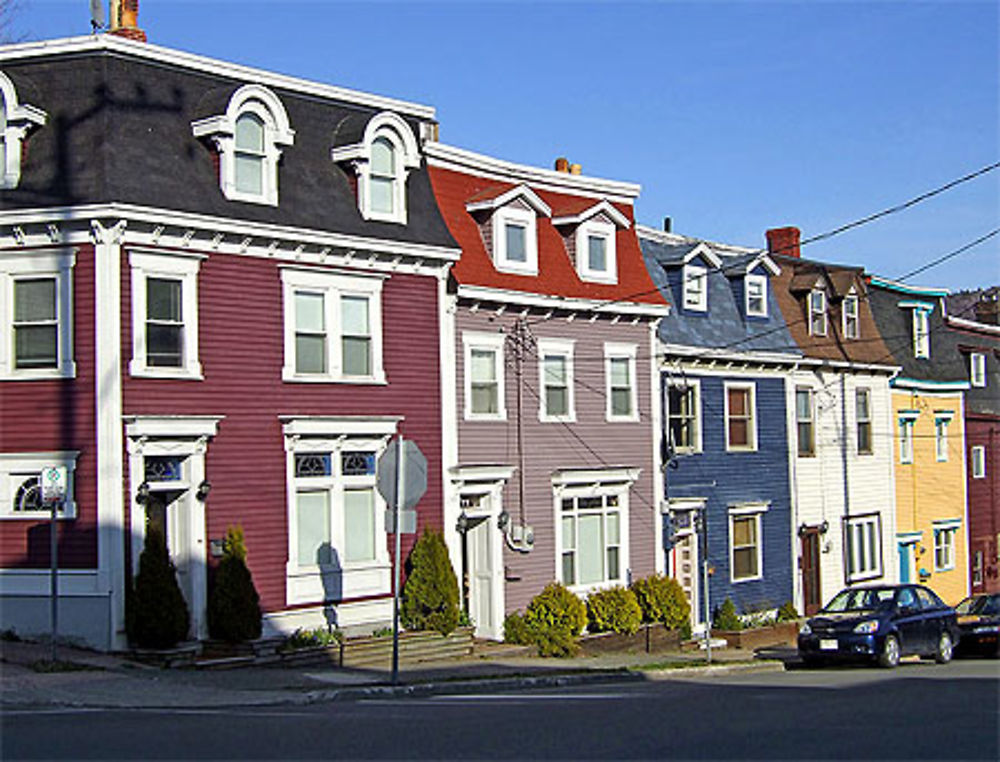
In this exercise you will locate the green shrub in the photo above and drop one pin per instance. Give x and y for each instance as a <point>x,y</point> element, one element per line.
<point>516,631</point>
<point>725,617</point>
<point>158,615</point>
<point>662,599</point>
<point>787,612</point>
<point>430,596</point>
<point>615,609</point>
<point>311,638</point>
<point>234,605</point>
<point>555,617</point>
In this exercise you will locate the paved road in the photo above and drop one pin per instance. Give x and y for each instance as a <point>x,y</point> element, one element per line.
<point>919,711</point>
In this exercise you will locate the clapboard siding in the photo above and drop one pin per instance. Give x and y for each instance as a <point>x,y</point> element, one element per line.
<point>589,442</point>
<point>45,416</point>
<point>984,497</point>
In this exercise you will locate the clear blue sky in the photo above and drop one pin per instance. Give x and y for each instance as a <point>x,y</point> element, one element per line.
<point>733,116</point>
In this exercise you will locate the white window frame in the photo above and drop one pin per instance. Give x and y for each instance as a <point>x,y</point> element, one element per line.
<point>17,120</point>
<point>754,511</point>
<point>858,422</point>
<point>560,348</point>
<point>811,421</point>
<point>945,533</point>
<point>17,467</point>
<point>604,485</point>
<point>921,333</point>
<point>850,317</point>
<point>977,461</point>
<point>752,428</point>
<point>759,281</point>
<point>493,343</point>
<point>942,418</point>
<point>516,216</point>
<point>907,422</point>
<point>597,229</point>
<point>173,266</point>
<point>817,308</point>
<point>694,386</point>
<point>629,352</point>
<point>333,286</point>
<point>310,582</point>
<point>260,101</point>
<point>859,563</point>
<point>392,127</point>
<point>695,297</point>
<point>57,264</point>
<point>977,369</point>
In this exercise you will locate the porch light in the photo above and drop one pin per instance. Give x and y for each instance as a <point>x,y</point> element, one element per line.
<point>142,494</point>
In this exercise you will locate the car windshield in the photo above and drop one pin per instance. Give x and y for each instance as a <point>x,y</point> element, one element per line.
<point>981,604</point>
<point>860,599</point>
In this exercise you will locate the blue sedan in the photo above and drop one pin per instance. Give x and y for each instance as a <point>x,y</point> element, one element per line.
<point>880,624</point>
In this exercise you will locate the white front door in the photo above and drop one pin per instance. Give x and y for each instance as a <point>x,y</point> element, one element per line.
<point>685,568</point>
<point>171,512</point>
<point>484,608</point>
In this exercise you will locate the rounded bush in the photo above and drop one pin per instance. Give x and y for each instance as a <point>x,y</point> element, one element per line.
<point>158,615</point>
<point>787,612</point>
<point>555,617</point>
<point>661,599</point>
<point>430,595</point>
<point>234,605</point>
<point>516,631</point>
<point>726,618</point>
<point>615,609</point>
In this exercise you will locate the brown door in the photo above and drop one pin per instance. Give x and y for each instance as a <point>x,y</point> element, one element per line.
<point>811,595</point>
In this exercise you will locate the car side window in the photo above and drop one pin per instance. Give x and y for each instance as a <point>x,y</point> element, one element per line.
<point>906,599</point>
<point>992,606</point>
<point>927,600</point>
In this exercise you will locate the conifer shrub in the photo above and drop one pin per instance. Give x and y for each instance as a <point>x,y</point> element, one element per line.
<point>615,609</point>
<point>787,612</point>
<point>516,631</point>
<point>234,605</point>
<point>725,617</point>
<point>662,599</point>
<point>555,618</point>
<point>430,596</point>
<point>158,615</point>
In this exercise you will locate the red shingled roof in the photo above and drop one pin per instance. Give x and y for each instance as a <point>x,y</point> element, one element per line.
<point>556,274</point>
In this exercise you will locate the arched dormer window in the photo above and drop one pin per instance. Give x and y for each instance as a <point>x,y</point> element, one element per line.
<point>249,138</point>
<point>382,161</point>
<point>15,122</point>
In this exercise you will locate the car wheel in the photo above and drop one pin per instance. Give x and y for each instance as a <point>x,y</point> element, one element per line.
<point>944,648</point>
<point>889,656</point>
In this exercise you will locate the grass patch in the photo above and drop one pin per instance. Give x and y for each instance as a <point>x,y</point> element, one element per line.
<point>47,665</point>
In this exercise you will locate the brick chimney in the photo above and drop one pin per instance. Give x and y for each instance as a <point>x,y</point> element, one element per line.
<point>784,241</point>
<point>125,20</point>
<point>988,307</point>
<point>562,164</point>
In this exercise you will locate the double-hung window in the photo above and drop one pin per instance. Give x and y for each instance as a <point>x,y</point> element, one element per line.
<point>756,295</point>
<point>741,424</point>
<point>591,534</point>
<point>484,376</point>
<point>251,158</point>
<point>977,457</point>
<point>817,312</point>
<point>36,309</point>
<point>921,333</point>
<point>16,120</point>
<point>941,420</point>
<point>620,389</point>
<point>596,251</point>
<point>695,287</point>
<point>683,414</point>
<point>906,422</point>
<point>746,559</point>
<point>863,420</point>
<point>944,544</point>
<point>556,400</point>
<point>333,326</point>
<point>805,420</point>
<point>863,547</point>
<point>849,311</point>
<point>977,369</point>
<point>165,315</point>
<point>21,487</point>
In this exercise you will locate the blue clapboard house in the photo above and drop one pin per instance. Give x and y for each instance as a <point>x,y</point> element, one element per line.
<point>726,355</point>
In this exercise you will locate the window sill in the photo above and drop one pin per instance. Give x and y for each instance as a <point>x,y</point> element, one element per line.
<point>322,378</point>
<point>741,580</point>
<point>607,280</point>
<point>505,267</point>
<point>47,374</point>
<point>570,418</point>
<point>863,577</point>
<point>741,449</point>
<point>66,515</point>
<point>187,373</point>
<point>398,219</point>
<point>623,419</point>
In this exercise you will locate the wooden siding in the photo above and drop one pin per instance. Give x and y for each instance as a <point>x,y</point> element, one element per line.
<point>589,442</point>
<point>984,498</point>
<point>44,416</point>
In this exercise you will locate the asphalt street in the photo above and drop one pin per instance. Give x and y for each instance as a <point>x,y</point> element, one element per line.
<point>918,711</point>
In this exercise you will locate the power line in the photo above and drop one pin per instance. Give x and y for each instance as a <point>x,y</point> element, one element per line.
<point>949,255</point>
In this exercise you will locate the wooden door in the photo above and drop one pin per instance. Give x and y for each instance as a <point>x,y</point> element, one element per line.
<point>812,595</point>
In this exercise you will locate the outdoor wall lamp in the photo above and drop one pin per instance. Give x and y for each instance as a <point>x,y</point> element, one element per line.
<point>462,525</point>
<point>142,494</point>
<point>203,489</point>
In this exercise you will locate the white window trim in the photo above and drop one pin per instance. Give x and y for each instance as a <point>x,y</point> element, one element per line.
<point>760,280</point>
<point>614,486</point>
<point>598,229</point>
<point>848,334</point>
<point>921,333</point>
<point>947,529</point>
<point>752,447</point>
<point>16,467</point>
<point>309,583</point>
<point>692,273</point>
<point>755,511</point>
<point>695,385</point>
<point>907,422</point>
<point>977,461</point>
<point>516,216</point>
<point>174,266</point>
<point>942,419</point>
<point>977,369</point>
<point>333,286</point>
<point>630,352</point>
<point>393,128</point>
<point>563,348</point>
<point>20,118</point>
<point>491,342</point>
<point>877,571</point>
<point>813,427</point>
<point>258,100</point>
<point>38,264</point>
<point>821,312</point>
<point>870,421</point>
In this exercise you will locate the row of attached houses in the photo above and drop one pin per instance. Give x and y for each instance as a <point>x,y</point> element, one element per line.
<point>225,291</point>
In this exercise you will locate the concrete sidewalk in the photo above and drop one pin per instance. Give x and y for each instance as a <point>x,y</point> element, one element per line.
<point>108,681</point>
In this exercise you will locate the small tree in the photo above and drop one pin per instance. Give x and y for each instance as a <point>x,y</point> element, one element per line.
<point>430,596</point>
<point>555,617</point>
<point>159,616</point>
<point>615,609</point>
<point>662,599</point>
<point>726,618</point>
<point>234,605</point>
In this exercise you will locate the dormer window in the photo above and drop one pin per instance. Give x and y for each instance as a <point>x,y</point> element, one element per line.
<point>382,161</point>
<point>756,295</point>
<point>695,287</point>
<point>15,122</point>
<point>591,240</point>
<point>921,333</point>
<point>508,221</point>
<point>249,138</point>
<point>817,312</point>
<point>849,313</point>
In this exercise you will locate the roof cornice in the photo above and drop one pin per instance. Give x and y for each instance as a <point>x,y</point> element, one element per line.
<point>902,382</point>
<point>905,288</point>
<point>551,302</point>
<point>972,325</point>
<point>170,56</point>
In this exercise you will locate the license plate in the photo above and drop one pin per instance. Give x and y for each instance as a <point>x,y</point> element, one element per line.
<point>828,645</point>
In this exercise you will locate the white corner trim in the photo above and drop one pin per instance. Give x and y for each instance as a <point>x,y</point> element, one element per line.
<point>522,192</point>
<point>601,207</point>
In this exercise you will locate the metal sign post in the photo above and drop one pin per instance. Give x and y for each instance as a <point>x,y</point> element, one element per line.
<point>400,497</point>
<point>53,486</point>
